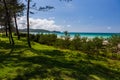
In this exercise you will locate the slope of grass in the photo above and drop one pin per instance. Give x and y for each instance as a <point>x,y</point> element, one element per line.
<point>48,63</point>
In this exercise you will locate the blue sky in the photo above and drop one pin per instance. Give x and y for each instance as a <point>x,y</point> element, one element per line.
<point>81,15</point>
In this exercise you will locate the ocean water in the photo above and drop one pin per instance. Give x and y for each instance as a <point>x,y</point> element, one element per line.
<point>88,35</point>
<point>83,34</point>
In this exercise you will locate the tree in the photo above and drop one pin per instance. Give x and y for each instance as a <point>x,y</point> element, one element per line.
<point>28,36</point>
<point>46,8</point>
<point>3,17</point>
<point>10,9</point>
<point>8,20</point>
<point>17,9</point>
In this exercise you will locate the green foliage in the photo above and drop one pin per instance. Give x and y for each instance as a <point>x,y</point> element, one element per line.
<point>48,39</point>
<point>59,43</point>
<point>66,40</point>
<point>88,47</point>
<point>37,37</point>
<point>114,40</point>
<point>92,46</point>
<point>98,42</point>
<point>76,43</point>
<point>43,62</point>
<point>63,42</point>
<point>21,34</point>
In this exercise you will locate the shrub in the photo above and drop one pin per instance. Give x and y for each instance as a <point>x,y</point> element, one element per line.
<point>114,42</point>
<point>63,42</point>
<point>88,47</point>
<point>32,37</point>
<point>59,43</point>
<point>76,43</point>
<point>48,39</point>
<point>91,46</point>
<point>98,43</point>
<point>22,34</point>
<point>37,37</point>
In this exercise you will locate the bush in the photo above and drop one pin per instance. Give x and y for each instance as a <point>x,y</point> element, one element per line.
<point>97,42</point>
<point>59,43</point>
<point>91,46</point>
<point>88,47</point>
<point>63,42</point>
<point>37,37</point>
<point>76,43</point>
<point>21,34</point>
<point>114,41</point>
<point>48,39</point>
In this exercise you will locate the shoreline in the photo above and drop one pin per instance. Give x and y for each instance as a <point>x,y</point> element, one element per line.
<point>82,35</point>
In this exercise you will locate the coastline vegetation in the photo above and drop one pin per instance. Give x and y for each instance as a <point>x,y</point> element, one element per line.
<point>109,47</point>
<point>79,60</point>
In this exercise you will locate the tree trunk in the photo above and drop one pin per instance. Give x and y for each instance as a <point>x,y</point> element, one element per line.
<point>6,27</point>
<point>16,26</point>
<point>8,23</point>
<point>28,36</point>
<point>6,31</point>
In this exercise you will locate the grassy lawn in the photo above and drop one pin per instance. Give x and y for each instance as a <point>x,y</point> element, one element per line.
<point>43,62</point>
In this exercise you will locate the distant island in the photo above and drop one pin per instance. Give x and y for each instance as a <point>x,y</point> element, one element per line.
<point>39,30</point>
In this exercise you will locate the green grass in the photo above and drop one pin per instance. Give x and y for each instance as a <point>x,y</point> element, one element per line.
<point>43,62</point>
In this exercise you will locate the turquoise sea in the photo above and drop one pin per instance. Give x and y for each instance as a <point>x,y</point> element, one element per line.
<point>88,35</point>
<point>82,34</point>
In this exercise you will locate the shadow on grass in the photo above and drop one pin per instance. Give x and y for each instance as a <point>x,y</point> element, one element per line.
<point>62,69</point>
<point>7,51</point>
<point>5,45</point>
<point>48,67</point>
<point>53,65</point>
<point>52,53</point>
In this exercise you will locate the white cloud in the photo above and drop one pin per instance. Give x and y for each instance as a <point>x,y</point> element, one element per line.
<point>47,24</point>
